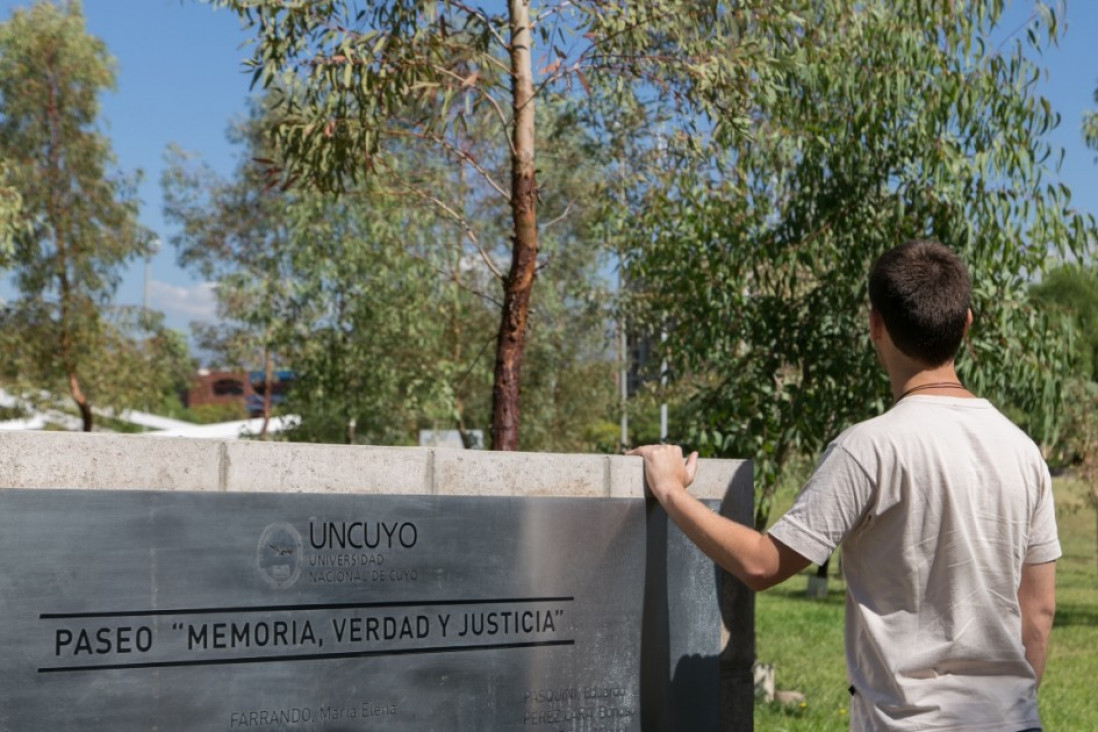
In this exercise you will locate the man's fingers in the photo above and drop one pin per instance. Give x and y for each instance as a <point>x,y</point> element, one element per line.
<point>664,468</point>
<point>667,456</point>
<point>691,467</point>
<point>647,450</point>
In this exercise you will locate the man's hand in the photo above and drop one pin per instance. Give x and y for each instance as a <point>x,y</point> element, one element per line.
<point>664,469</point>
<point>755,558</point>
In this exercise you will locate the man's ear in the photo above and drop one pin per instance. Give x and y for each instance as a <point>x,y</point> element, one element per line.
<point>876,325</point>
<point>968,321</point>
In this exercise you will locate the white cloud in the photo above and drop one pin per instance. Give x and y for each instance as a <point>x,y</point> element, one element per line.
<point>181,305</point>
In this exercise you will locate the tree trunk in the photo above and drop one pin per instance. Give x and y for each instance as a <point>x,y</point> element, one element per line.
<point>67,354</point>
<point>81,401</point>
<point>349,431</point>
<point>524,242</point>
<point>56,215</point>
<point>68,360</point>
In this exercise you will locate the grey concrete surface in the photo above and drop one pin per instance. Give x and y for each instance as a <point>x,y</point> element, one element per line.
<point>137,462</point>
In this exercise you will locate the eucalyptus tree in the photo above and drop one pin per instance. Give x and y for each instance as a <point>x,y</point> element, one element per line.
<point>368,322</point>
<point>79,221</point>
<point>11,216</point>
<point>234,233</point>
<point>1072,289</point>
<point>345,290</point>
<point>380,311</point>
<point>357,83</point>
<point>898,120</point>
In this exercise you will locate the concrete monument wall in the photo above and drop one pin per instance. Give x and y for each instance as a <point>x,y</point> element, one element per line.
<point>697,624</point>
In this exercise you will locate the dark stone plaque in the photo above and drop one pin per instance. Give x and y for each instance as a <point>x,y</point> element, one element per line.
<point>204,611</point>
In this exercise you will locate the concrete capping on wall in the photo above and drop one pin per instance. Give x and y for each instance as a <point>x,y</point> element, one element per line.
<point>136,462</point>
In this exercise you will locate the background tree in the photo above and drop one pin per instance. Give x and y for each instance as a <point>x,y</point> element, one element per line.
<point>1081,432</point>
<point>1073,290</point>
<point>381,309</point>
<point>890,125</point>
<point>11,216</point>
<point>359,82</point>
<point>82,225</point>
<point>236,234</point>
<point>318,280</point>
<point>369,323</point>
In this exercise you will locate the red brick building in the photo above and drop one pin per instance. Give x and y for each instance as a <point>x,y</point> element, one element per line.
<point>218,387</point>
<point>243,389</point>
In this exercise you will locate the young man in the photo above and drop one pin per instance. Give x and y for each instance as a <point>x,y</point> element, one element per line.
<point>944,510</point>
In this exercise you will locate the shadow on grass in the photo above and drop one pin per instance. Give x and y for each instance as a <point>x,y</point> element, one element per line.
<point>1068,613</point>
<point>794,589</point>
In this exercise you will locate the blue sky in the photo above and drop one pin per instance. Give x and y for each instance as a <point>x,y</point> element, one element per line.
<point>180,80</point>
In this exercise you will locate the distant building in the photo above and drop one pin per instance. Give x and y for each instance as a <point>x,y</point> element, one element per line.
<point>236,388</point>
<point>281,381</point>
<point>217,388</point>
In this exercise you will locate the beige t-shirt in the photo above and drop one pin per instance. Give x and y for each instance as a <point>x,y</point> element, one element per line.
<point>938,503</point>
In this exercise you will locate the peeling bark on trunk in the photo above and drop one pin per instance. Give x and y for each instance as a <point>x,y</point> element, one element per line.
<point>524,243</point>
<point>68,360</point>
<point>81,402</point>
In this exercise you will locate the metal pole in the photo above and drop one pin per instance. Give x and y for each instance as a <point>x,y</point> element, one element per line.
<point>154,247</point>
<point>663,388</point>
<point>624,383</point>
<point>623,362</point>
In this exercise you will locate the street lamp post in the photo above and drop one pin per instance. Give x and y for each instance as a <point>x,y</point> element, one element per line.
<point>154,248</point>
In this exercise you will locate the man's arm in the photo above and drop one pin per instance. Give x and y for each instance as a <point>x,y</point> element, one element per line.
<point>756,559</point>
<point>1037,600</point>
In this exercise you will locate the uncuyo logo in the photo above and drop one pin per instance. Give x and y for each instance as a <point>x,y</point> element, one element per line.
<point>278,555</point>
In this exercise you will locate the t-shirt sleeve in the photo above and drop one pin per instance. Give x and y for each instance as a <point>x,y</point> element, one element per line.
<point>832,502</point>
<point>1044,543</point>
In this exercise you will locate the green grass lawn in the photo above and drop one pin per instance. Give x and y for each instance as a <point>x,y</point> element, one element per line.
<point>803,637</point>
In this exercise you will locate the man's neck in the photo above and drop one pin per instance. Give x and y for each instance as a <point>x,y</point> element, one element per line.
<point>913,377</point>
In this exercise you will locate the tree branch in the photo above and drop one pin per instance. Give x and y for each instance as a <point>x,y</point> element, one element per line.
<point>452,215</point>
<point>558,219</point>
<point>479,15</point>
<point>506,124</point>
<point>453,277</point>
<point>459,154</point>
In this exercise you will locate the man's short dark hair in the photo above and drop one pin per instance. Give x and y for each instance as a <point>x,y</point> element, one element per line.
<point>922,291</point>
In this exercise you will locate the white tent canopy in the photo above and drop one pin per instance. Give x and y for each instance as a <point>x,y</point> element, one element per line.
<point>37,419</point>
